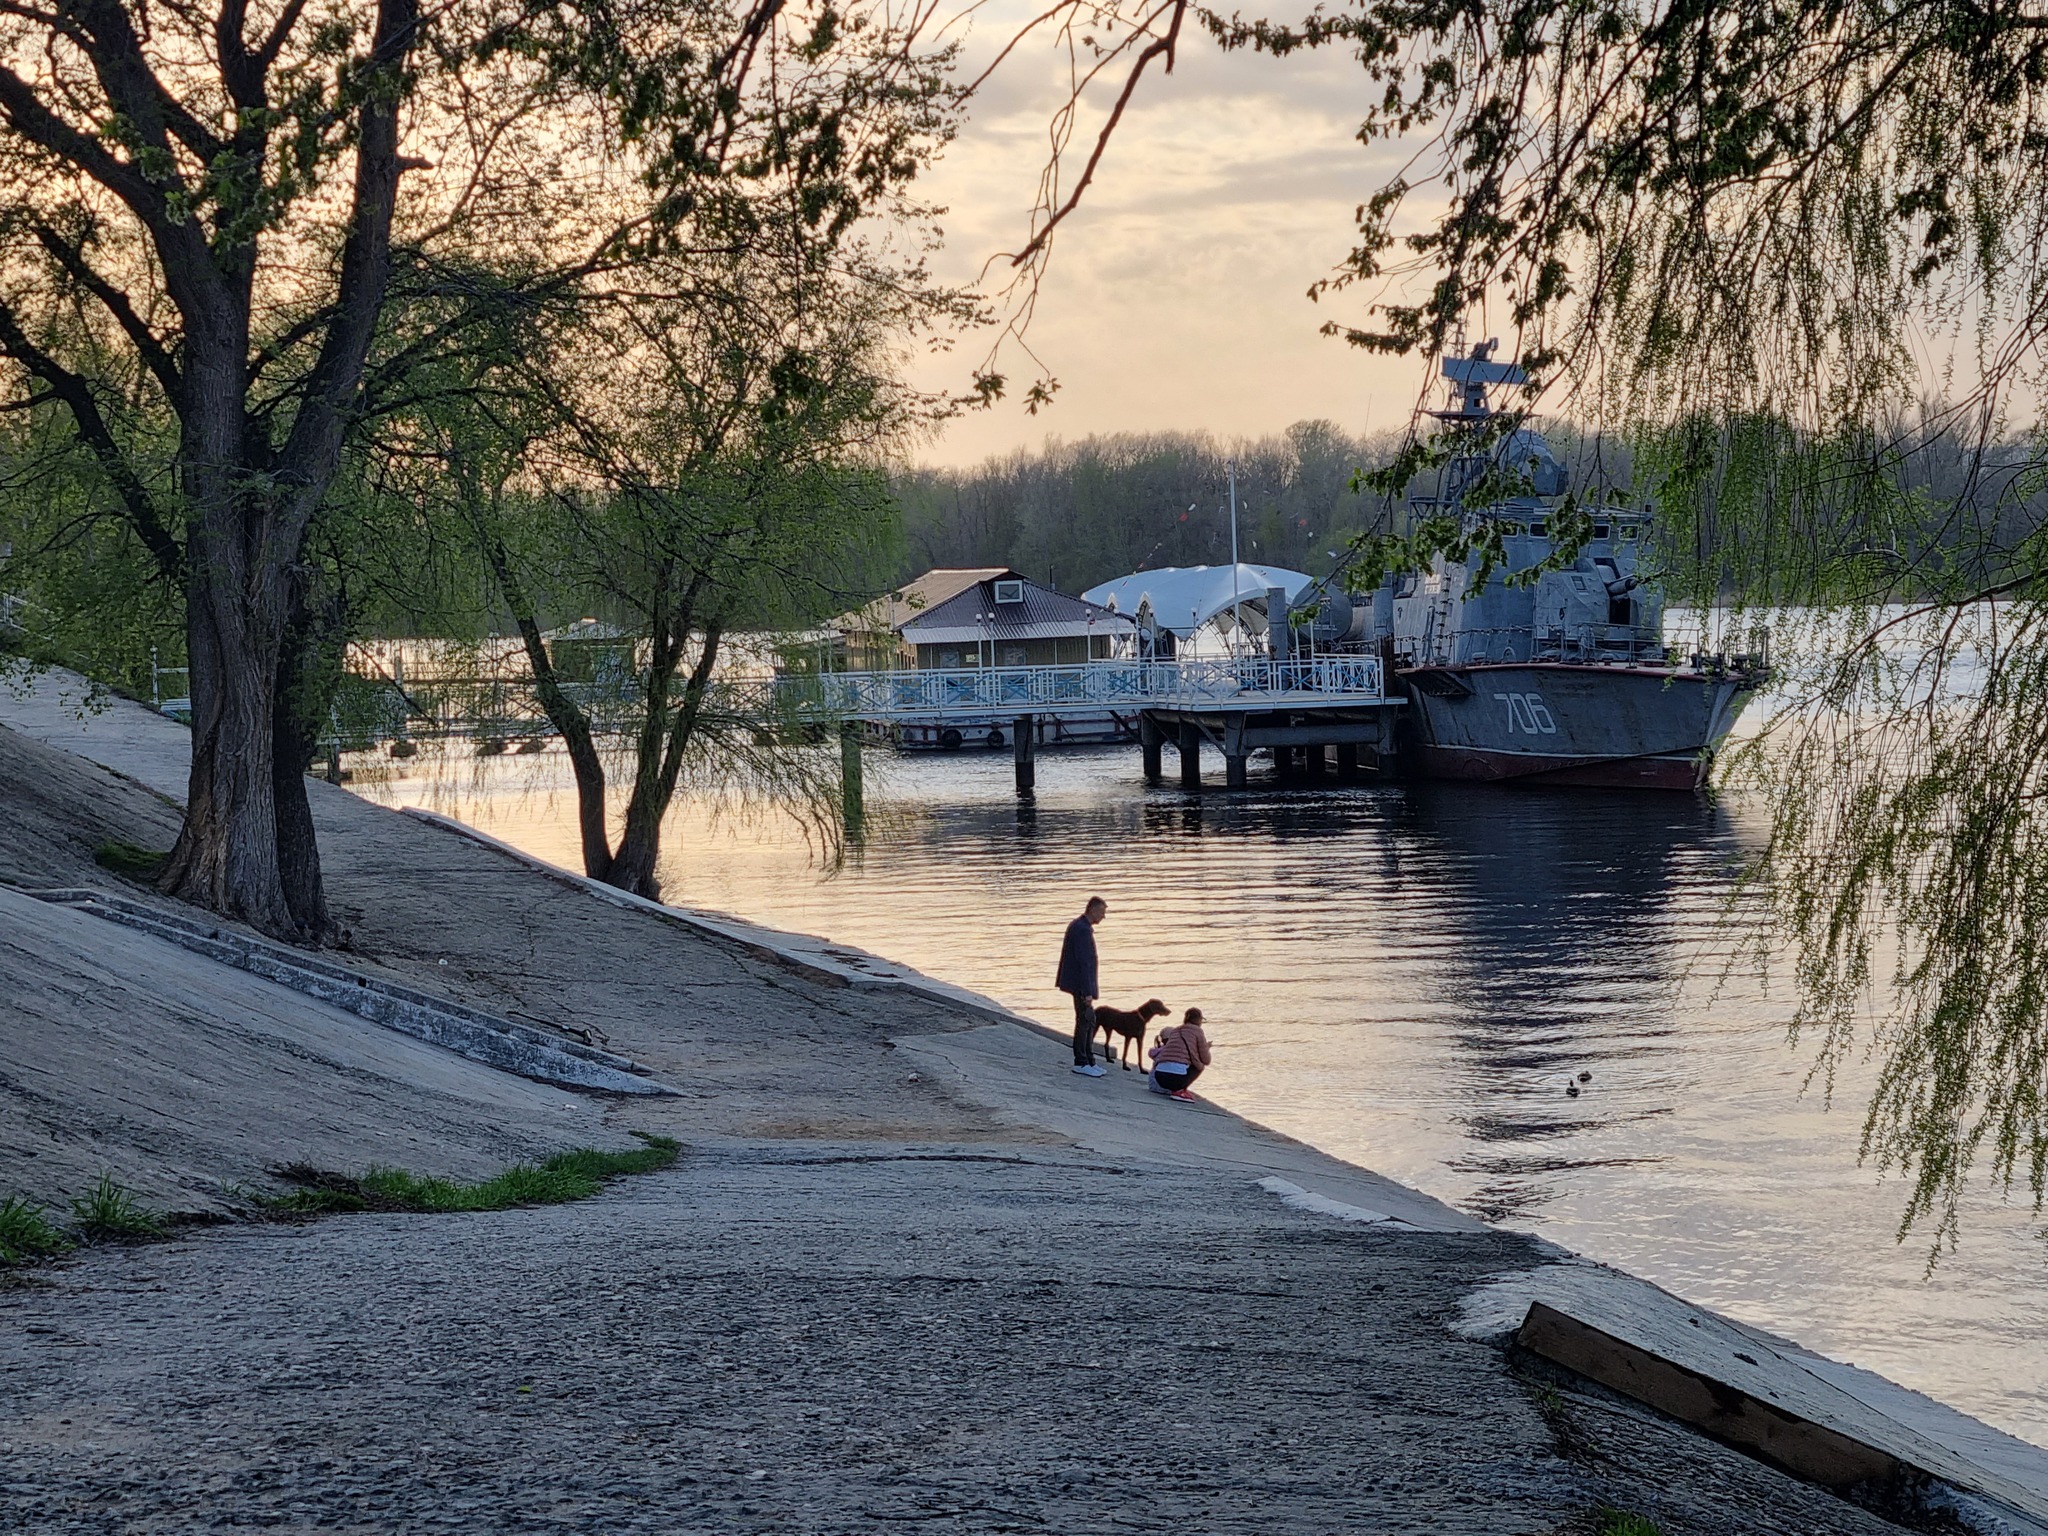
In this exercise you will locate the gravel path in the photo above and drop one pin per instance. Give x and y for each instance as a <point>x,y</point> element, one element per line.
<point>818,1338</point>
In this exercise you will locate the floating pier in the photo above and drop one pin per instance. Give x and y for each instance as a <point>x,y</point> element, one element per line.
<point>1296,709</point>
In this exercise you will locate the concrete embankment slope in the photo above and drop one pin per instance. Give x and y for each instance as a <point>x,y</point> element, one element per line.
<point>124,1054</point>
<point>753,1048</point>
<point>182,1078</point>
<point>910,1270</point>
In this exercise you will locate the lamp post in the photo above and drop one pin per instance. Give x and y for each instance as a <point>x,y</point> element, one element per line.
<point>1236,572</point>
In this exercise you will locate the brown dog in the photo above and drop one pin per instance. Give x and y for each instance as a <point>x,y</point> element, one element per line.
<point>1117,1021</point>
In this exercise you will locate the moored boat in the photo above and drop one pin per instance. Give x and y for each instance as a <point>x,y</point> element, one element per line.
<point>1565,678</point>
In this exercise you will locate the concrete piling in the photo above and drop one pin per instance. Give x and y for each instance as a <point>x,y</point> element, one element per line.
<point>1021,734</point>
<point>1150,741</point>
<point>1190,755</point>
<point>852,809</point>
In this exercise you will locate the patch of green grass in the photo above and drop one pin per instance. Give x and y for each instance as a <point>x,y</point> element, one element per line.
<point>318,1193</point>
<point>107,1213</point>
<point>1616,1522</point>
<point>26,1234</point>
<point>572,1175</point>
<point>127,859</point>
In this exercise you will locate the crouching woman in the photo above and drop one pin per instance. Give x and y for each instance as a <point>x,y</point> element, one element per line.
<point>1179,1056</point>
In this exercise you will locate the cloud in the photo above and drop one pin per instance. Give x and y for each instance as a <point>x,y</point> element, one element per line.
<point>1177,294</point>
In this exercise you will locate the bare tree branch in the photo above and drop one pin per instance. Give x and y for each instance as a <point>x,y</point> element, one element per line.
<point>148,345</point>
<point>77,395</point>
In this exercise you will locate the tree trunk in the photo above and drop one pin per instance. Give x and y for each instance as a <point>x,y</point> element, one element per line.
<point>241,565</point>
<point>583,761</point>
<point>662,745</point>
<point>632,865</point>
<point>640,844</point>
<point>590,817</point>
<point>562,711</point>
<point>226,857</point>
<point>298,846</point>
<point>300,705</point>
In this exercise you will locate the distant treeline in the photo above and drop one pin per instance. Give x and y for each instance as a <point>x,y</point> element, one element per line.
<point>1745,507</point>
<point>1075,514</point>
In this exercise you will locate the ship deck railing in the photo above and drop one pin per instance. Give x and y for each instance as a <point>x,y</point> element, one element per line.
<point>1612,644</point>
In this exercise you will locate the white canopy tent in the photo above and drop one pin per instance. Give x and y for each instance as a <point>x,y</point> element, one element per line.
<point>1183,598</point>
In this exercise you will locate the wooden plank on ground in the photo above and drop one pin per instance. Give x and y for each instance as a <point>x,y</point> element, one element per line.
<point>1796,1445</point>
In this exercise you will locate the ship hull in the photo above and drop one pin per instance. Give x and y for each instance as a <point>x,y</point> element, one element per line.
<point>1557,723</point>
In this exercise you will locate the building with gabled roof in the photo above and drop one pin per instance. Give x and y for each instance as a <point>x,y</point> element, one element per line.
<point>990,616</point>
<point>869,638</point>
<point>1007,620</point>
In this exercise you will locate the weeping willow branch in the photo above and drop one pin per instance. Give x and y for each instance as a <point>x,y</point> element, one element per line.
<point>1908,864</point>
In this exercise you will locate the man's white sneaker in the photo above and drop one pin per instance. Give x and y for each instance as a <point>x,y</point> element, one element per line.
<point>1092,1071</point>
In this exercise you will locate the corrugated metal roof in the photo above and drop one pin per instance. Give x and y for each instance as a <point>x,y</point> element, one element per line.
<point>893,610</point>
<point>1043,613</point>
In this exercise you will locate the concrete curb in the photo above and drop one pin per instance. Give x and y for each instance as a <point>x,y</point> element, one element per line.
<point>466,1031</point>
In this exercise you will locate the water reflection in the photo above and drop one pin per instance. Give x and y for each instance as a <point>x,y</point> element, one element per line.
<point>1553,927</point>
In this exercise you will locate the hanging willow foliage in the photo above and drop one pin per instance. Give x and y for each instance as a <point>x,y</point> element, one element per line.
<point>1909,863</point>
<point>1748,241</point>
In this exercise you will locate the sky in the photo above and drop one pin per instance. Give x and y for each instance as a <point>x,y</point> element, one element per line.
<point>1176,298</point>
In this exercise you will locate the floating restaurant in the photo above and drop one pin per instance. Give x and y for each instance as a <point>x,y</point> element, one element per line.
<point>985,619</point>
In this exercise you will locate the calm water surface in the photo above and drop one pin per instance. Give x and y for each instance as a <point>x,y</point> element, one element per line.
<point>1408,977</point>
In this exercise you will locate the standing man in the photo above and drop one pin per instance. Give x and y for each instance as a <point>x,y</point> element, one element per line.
<point>1078,980</point>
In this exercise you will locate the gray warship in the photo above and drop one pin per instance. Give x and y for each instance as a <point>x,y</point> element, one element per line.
<point>1564,680</point>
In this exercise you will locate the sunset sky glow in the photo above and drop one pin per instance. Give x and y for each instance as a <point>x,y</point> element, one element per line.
<point>1177,293</point>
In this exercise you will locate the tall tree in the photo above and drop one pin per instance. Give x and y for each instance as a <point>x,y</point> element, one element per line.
<point>231,190</point>
<point>698,455</point>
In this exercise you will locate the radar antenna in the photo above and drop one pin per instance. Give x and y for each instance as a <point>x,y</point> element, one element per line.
<point>1471,375</point>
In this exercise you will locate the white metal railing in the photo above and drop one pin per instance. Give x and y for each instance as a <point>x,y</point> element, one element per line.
<point>177,701</point>
<point>1106,684</point>
<point>499,709</point>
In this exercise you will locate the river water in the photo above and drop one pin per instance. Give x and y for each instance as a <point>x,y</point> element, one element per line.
<point>1409,976</point>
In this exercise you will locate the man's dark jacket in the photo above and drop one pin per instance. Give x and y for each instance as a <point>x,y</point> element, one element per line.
<point>1077,960</point>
